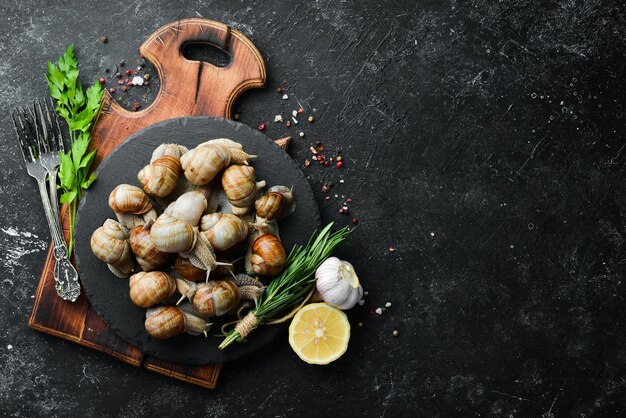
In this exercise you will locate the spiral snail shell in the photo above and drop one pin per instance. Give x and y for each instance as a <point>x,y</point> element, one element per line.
<point>109,243</point>
<point>187,270</point>
<point>224,230</point>
<point>203,163</point>
<point>188,207</point>
<point>132,206</point>
<point>168,321</point>
<point>146,253</point>
<point>268,255</point>
<point>129,199</point>
<point>213,298</point>
<point>175,150</point>
<point>237,154</point>
<point>276,203</point>
<point>160,177</point>
<point>150,288</point>
<point>239,184</point>
<point>171,235</point>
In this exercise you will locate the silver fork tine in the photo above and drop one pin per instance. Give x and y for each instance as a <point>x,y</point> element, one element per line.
<point>59,146</point>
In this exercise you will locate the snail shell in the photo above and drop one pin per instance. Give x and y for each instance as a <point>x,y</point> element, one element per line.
<point>202,164</point>
<point>188,207</point>
<point>147,255</point>
<point>239,184</point>
<point>216,298</point>
<point>149,288</point>
<point>174,150</point>
<point>168,321</point>
<point>237,154</point>
<point>110,244</point>
<point>276,203</point>
<point>160,177</point>
<point>171,235</point>
<point>129,199</point>
<point>224,230</point>
<point>268,255</point>
<point>187,270</point>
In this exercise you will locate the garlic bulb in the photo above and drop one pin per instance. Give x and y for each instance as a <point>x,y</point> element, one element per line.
<point>338,283</point>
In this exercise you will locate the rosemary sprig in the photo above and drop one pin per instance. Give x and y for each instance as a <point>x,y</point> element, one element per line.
<point>291,287</point>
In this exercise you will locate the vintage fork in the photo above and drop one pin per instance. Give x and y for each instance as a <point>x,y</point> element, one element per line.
<point>49,143</point>
<point>65,276</point>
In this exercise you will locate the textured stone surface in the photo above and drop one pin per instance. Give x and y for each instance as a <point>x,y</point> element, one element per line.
<point>484,140</point>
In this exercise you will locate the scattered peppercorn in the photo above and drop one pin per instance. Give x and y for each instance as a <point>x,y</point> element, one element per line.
<point>127,72</point>
<point>288,124</point>
<point>310,119</point>
<point>146,77</point>
<point>360,324</point>
<point>106,70</point>
<point>301,134</point>
<point>136,105</point>
<point>102,80</point>
<point>341,210</point>
<point>118,74</point>
<point>366,293</point>
<point>327,198</point>
<point>104,39</point>
<point>307,163</point>
<point>124,88</point>
<point>326,163</point>
<point>313,150</point>
<point>339,158</point>
<point>355,221</point>
<point>135,72</point>
<point>262,127</point>
<point>392,249</point>
<point>339,164</point>
<point>112,90</point>
<point>280,89</point>
<point>325,188</point>
<point>395,333</point>
<point>236,116</point>
<point>122,62</point>
<point>300,110</point>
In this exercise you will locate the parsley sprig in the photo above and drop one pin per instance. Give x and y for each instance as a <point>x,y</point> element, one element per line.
<point>79,108</point>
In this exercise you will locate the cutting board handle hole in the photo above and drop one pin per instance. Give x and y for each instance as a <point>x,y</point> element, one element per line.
<point>202,51</point>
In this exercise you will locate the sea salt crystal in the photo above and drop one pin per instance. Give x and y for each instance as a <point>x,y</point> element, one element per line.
<point>9,347</point>
<point>379,311</point>
<point>294,113</point>
<point>278,118</point>
<point>137,81</point>
<point>341,181</point>
<point>295,121</point>
<point>362,302</point>
<point>387,305</point>
<point>285,97</point>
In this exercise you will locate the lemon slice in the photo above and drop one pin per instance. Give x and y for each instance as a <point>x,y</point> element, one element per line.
<point>319,333</point>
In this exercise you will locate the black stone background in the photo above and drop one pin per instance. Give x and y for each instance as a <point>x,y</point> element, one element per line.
<point>497,126</point>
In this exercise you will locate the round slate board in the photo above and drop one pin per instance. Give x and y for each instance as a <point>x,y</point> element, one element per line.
<point>109,295</point>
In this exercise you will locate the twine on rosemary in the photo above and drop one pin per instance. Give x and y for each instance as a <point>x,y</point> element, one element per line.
<point>245,325</point>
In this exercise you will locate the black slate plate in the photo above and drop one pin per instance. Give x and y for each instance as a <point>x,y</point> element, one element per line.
<point>109,294</point>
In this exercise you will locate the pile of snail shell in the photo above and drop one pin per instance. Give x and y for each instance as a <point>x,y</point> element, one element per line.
<point>178,236</point>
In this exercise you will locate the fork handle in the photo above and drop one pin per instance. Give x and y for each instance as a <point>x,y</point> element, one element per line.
<point>55,230</point>
<point>52,186</point>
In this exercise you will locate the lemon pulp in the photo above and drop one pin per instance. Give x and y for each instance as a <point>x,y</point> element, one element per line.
<point>319,333</point>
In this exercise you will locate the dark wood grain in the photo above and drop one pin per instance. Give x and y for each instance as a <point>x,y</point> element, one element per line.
<point>188,88</point>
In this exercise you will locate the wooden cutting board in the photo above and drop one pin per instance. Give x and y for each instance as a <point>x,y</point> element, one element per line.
<point>188,88</point>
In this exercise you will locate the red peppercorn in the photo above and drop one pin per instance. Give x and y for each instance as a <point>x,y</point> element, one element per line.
<point>341,210</point>
<point>136,105</point>
<point>118,74</point>
<point>135,72</point>
<point>124,88</point>
<point>326,163</point>
<point>130,84</point>
<point>127,72</point>
<point>102,80</point>
<point>262,127</point>
<point>349,200</point>
<point>355,220</point>
<point>112,90</point>
<point>339,164</point>
<point>307,163</point>
<point>288,123</point>
<point>392,249</point>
